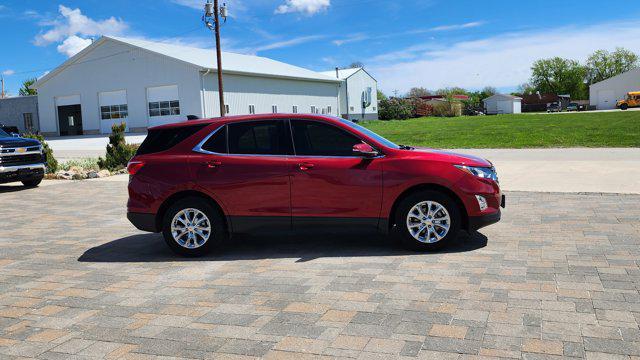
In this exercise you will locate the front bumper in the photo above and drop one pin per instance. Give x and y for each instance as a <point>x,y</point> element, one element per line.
<point>143,221</point>
<point>21,172</point>
<point>478,222</point>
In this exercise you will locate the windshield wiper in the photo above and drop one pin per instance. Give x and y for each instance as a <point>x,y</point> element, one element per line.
<point>406,147</point>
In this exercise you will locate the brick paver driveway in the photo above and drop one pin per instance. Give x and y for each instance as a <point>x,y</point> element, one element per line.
<point>558,277</point>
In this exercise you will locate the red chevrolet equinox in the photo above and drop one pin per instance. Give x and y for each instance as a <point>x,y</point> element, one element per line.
<point>199,182</point>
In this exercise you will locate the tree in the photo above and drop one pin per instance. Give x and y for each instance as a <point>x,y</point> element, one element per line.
<point>559,76</point>
<point>417,92</point>
<point>525,89</point>
<point>489,91</point>
<point>27,87</point>
<point>381,95</point>
<point>353,65</point>
<point>452,91</point>
<point>602,64</point>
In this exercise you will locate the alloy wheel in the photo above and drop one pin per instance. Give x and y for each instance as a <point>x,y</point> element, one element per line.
<point>428,222</point>
<point>191,228</point>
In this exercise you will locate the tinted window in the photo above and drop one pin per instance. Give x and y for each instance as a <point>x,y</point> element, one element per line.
<point>259,138</point>
<point>319,139</point>
<point>164,139</point>
<point>218,142</point>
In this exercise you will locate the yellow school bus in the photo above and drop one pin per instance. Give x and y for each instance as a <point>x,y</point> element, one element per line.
<point>632,100</point>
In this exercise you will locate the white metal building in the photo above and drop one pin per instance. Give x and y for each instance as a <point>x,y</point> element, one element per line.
<point>358,93</point>
<point>605,94</point>
<point>146,84</point>
<point>503,104</point>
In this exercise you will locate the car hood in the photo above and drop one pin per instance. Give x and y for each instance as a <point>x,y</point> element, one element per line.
<point>452,157</point>
<point>11,142</point>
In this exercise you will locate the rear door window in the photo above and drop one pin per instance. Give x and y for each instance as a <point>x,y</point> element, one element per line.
<point>268,137</point>
<point>164,139</point>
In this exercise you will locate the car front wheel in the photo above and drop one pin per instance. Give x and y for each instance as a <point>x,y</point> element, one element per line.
<point>427,221</point>
<point>192,227</point>
<point>32,183</point>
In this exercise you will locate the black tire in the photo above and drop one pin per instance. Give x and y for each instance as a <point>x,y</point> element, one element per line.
<point>401,230</point>
<point>32,183</point>
<point>215,218</point>
<point>624,107</point>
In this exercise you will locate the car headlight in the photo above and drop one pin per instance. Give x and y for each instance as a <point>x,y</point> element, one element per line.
<point>481,172</point>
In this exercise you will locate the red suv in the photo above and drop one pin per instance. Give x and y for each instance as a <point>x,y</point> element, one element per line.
<point>201,181</point>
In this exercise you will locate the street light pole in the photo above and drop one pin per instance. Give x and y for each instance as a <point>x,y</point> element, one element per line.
<point>209,11</point>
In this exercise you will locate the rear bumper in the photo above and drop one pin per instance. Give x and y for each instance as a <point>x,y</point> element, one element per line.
<point>21,173</point>
<point>143,221</point>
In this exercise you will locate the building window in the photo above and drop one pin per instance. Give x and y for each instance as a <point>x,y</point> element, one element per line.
<point>274,109</point>
<point>28,121</point>
<point>114,112</point>
<point>313,109</point>
<point>324,111</point>
<point>328,109</point>
<point>252,109</point>
<point>226,109</point>
<point>164,108</point>
<point>352,108</point>
<point>295,109</point>
<point>374,108</point>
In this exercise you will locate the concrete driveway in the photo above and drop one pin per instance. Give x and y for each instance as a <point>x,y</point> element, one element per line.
<point>557,277</point>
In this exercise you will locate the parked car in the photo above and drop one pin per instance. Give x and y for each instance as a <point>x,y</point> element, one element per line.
<point>200,182</point>
<point>573,107</point>
<point>554,108</point>
<point>21,160</point>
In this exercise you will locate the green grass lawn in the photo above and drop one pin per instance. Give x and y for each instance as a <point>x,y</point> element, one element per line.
<point>615,129</point>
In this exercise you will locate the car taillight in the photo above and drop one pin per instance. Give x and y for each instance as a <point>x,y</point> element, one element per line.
<point>134,166</point>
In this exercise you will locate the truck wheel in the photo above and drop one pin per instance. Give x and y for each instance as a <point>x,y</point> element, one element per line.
<point>624,107</point>
<point>427,221</point>
<point>32,183</point>
<point>193,227</point>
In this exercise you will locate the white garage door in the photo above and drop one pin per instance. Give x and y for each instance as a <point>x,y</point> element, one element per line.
<point>606,99</point>
<point>113,109</point>
<point>163,105</point>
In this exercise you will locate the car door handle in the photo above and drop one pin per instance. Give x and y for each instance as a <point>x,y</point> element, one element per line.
<point>213,164</point>
<point>305,166</point>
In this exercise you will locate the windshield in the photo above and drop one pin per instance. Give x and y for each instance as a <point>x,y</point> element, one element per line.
<point>3,134</point>
<point>370,134</point>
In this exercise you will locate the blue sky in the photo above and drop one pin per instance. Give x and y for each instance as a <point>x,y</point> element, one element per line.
<point>429,43</point>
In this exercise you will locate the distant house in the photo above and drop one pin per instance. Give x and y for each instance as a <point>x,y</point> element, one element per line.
<point>441,100</point>
<point>21,112</point>
<point>502,104</point>
<point>605,94</point>
<point>540,102</point>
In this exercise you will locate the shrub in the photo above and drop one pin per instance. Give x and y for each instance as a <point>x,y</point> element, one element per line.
<point>118,151</point>
<point>52,163</point>
<point>394,108</point>
<point>85,164</point>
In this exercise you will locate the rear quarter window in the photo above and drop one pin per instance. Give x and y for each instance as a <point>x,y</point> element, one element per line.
<point>164,139</point>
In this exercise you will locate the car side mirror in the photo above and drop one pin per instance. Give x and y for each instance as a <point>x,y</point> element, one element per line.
<point>365,150</point>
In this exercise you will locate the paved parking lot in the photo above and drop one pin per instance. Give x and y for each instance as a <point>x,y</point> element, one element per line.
<point>558,277</point>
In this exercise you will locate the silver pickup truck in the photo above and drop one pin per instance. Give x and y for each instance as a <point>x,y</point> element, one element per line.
<point>21,160</point>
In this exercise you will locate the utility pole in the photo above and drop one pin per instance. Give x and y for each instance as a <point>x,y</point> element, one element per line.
<point>2,93</point>
<point>212,10</point>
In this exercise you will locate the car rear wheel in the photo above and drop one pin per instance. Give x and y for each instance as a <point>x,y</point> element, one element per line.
<point>427,221</point>
<point>32,183</point>
<point>624,107</point>
<point>192,227</point>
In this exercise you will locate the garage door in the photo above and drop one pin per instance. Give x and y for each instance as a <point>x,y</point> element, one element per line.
<point>606,99</point>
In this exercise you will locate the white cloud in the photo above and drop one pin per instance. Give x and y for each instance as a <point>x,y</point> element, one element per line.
<point>73,45</point>
<point>500,61</point>
<point>351,39</point>
<point>8,72</point>
<point>307,7</point>
<point>468,25</point>
<point>73,29</point>
<point>230,45</point>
